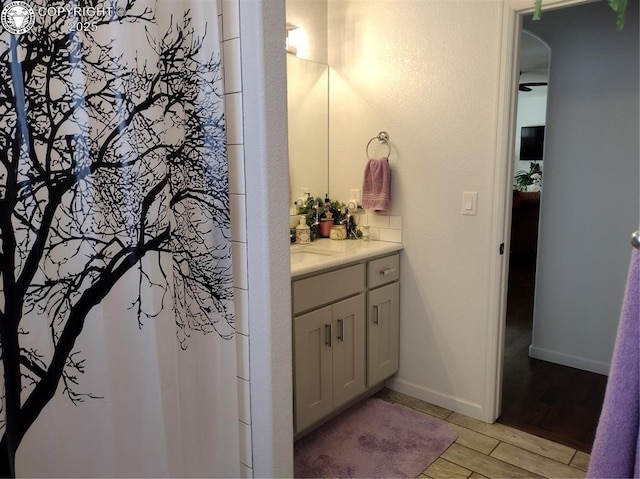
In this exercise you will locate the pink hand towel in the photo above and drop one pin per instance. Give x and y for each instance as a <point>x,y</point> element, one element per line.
<point>376,185</point>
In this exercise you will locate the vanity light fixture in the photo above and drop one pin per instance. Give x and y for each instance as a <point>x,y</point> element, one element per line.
<point>294,36</point>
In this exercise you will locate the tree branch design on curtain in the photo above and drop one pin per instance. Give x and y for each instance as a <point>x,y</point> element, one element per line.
<point>107,165</point>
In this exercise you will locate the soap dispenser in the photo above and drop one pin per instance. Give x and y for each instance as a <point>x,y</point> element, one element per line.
<point>303,232</point>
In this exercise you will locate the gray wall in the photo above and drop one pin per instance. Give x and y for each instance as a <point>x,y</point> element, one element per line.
<point>590,202</point>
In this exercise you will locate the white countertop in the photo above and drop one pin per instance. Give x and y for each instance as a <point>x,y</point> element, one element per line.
<point>326,253</point>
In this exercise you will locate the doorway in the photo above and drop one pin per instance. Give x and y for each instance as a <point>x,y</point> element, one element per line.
<point>539,410</point>
<point>543,398</point>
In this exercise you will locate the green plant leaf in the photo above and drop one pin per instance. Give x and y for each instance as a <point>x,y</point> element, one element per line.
<point>620,7</point>
<point>537,10</point>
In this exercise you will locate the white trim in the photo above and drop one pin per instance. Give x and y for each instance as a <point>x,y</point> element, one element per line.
<point>446,401</point>
<point>569,360</point>
<point>502,195</point>
<point>522,7</point>
<point>501,221</point>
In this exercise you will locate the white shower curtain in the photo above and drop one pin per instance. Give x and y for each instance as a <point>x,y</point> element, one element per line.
<point>116,303</point>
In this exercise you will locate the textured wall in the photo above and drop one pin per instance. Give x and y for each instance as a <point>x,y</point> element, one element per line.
<point>264,120</point>
<point>427,73</point>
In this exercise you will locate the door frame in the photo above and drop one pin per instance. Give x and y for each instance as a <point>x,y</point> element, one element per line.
<point>513,11</point>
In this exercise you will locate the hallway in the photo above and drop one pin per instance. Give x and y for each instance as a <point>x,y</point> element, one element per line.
<point>556,402</point>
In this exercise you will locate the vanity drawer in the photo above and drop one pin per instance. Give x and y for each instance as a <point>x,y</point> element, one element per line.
<point>327,287</point>
<point>384,270</point>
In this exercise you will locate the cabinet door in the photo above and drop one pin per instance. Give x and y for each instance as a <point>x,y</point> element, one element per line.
<point>313,372</point>
<point>383,328</point>
<point>349,329</point>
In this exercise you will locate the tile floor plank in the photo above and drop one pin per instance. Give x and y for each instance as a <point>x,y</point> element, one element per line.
<point>581,461</point>
<point>475,475</point>
<point>443,469</point>
<point>531,443</point>
<point>535,463</point>
<point>474,440</point>
<point>483,464</point>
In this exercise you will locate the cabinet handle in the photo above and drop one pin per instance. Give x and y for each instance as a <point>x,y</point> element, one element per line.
<point>376,318</point>
<point>328,334</point>
<point>388,271</point>
<point>341,330</point>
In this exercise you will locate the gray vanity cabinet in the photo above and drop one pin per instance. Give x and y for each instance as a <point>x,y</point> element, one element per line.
<point>348,349</point>
<point>345,336</point>
<point>329,358</point>
<point>382,333</point>
<point>313,369</point>
<point>383,324</point>
<point>329,342</point>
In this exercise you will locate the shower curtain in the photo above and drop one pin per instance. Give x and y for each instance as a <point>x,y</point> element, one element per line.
<point>116,298</point>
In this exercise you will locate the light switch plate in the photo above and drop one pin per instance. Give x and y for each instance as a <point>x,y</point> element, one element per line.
<point>470,203</point>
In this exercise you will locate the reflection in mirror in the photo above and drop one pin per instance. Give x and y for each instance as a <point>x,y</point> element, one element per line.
<point>308,110</point>
<point>532,113</point>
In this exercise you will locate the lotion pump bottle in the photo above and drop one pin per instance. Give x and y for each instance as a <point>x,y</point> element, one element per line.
<point>303,232</point>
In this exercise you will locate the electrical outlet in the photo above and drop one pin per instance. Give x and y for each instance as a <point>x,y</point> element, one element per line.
<point>354,202</point>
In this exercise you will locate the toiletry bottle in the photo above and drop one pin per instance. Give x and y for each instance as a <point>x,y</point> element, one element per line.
<point>303,232</point>
<point>327,204</point>
<point>365,232</point>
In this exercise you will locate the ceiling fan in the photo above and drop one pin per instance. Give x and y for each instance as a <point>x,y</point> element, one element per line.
<point>527,86</point>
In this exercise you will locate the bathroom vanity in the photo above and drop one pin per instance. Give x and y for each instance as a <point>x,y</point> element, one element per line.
<point>346,314</point>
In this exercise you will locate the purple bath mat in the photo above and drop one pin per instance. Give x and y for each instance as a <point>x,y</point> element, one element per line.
<point>374,438</point>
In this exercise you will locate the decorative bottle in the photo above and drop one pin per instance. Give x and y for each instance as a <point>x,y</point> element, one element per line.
<point>303,232</point>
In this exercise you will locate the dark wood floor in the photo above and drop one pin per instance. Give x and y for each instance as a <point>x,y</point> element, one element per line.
<point>556,402</point>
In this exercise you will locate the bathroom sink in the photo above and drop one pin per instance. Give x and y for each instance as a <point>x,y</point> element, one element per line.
<point>309,254</point>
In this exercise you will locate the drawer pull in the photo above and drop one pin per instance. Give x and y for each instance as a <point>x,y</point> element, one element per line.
<point>376,318</point>
<point>328,334</point>
<point>388,271</point>
<point>341,330</point>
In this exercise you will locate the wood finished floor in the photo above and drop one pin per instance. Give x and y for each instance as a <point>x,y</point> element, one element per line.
<point>550,400</point>
<point>493,450</point>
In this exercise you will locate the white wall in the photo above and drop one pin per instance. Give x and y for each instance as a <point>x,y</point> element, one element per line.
<point>427,73</point>
<point>590,201</point>
<point>261,261</point>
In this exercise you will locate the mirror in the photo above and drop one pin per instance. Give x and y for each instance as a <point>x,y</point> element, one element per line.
<point>308,112</point>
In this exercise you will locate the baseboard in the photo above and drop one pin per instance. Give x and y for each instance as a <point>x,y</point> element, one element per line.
<point>569,360</point>
<point>437,398</point>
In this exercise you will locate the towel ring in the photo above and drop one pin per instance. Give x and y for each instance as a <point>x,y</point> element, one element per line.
<point>635,239</point>
<point>383,138</point>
